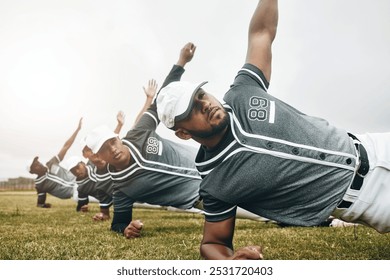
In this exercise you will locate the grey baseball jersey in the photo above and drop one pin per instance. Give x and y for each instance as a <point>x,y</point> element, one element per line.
<point>275,161</point>
<point>57,182</point>
<point>161,172</point>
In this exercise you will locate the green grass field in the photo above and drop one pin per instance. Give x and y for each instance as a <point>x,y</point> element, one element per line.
<point>60,233</point>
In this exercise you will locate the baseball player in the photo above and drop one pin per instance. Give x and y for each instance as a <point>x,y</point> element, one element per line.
<point>86,180</point>
<point>263,155</point>
<point>52,178</point>
<point>146,167</point>
<point>93,181</point>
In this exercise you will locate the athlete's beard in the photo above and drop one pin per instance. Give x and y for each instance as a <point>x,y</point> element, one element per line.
<point>214,130</point>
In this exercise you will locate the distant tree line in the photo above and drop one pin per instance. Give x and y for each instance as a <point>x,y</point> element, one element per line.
<point>15,184</point>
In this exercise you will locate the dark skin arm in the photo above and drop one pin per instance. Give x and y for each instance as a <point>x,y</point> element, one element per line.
<point>104,215</point>
<point>261,34</point>
<point>150,92</point>
<point>217,243</point>
<point>218,236</point>
<point>120,117</point>
<point>187,52</point>
<point>69,142</point>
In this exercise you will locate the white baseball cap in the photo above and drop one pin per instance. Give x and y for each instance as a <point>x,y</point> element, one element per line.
<point>98,136</point>
<point>70,162</point>
<point>175,101</point>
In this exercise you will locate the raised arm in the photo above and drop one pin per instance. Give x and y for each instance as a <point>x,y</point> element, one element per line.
<point>150,92</point>
<point>261,34</point>
<point>69,142</point>
<point>186,54</point>
<point>120,117</point>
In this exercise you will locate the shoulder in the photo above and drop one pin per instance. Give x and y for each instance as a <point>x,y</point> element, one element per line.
<point>53,161</point>
<point>250,75</point>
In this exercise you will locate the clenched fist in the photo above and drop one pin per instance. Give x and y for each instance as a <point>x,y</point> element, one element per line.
<point>133,230</point>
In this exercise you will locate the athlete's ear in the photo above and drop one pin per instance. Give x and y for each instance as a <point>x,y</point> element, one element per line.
<point>183,134</point>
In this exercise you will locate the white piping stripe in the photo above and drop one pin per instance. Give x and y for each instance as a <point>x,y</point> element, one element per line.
<point>217,156</point>
<point>102,176</point>
<point>172,173</point>
<point>220,213</point>
<point>105,204</point>
<point>155,162</point>
<point>60,181</point>
<point>40,194</point>
<point>281,155</point>
<point>272,112</point>
<point>81,199</point>
<point>124,170</point>
<point>153,117</point>
<point>82,182</point>
<point>126,175</point>
<point>287,142</point>
<point>298,158</point>
<point>103,179</point>
<point>91,173</point>
<point>161,148</point>
<point>257,76</point>
<point>58,178</point>
<point>153,169</point>
<point>41,179</point>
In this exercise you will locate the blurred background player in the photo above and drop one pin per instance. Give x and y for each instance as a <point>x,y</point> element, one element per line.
<point>52,178</point>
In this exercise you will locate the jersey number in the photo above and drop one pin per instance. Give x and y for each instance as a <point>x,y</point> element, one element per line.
<point>258,109</point>
<point>152,147</point>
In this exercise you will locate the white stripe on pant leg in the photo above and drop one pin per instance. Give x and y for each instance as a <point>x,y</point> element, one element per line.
<point>92,199</point>
<point>148,206</point>
<point>244,214</point>
<point>75,193</point>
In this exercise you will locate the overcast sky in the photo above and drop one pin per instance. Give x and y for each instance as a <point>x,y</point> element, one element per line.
<point>66,59</point>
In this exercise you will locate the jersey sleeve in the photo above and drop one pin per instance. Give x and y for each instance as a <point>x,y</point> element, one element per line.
<point>216,210</point>
<point>105,200</point>
<point>249,74</point>
<point>41,198</point>
<point>148,121</point>
<point>123,212</point>
<point>174,75</point>
<point>82,198</point>
<point>81,203</point>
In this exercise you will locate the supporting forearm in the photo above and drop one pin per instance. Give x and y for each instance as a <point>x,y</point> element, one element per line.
<point>120,221</point>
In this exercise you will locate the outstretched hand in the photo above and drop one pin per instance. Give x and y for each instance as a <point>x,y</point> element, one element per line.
<point>151,89</point>
<point>120,117</point>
